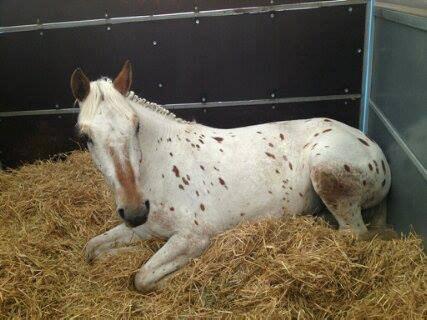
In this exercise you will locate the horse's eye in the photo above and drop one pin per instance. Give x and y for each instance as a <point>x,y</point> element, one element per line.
<point>86,139</point>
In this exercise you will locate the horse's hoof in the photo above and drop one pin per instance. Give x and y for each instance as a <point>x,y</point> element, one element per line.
<point>138,283</point>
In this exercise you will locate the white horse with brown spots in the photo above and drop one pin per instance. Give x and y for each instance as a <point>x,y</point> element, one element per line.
<point>188,182</point>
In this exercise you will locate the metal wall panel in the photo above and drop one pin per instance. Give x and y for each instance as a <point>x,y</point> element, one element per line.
<point>407,200</point>
<point>399,81</point>
<point>397,115</point>
<point>221,58</point>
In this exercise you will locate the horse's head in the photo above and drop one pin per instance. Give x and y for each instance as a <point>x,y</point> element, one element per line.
<point>111,128</point>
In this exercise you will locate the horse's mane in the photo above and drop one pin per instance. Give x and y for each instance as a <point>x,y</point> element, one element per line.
<point>155,107</point>
<point>102,89</point>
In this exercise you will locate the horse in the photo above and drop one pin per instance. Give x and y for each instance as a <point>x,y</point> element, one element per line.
<point>187,182</point>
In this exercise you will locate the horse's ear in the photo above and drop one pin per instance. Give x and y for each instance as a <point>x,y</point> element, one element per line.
<point>80,85</point>
<point>124,79</point>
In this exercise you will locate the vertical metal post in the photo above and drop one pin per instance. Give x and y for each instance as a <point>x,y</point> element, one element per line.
<point>367,65</point>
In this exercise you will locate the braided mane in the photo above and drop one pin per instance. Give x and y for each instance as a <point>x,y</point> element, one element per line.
<point>154,106</point>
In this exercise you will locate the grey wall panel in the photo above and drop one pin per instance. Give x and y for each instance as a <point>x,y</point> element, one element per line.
<point>398,114</point>
<point>407,200</point>
<point>399,81</point>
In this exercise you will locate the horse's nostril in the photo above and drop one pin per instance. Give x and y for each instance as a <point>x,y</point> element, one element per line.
<point>147,205</point>
<point>121,213</point>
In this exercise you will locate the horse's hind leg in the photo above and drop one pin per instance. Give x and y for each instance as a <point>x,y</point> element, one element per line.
<point>341,193</point>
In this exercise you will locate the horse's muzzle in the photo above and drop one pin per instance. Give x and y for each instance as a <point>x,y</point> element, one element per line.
<point>135,217</point>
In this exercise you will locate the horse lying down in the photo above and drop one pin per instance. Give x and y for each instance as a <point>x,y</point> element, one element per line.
<point>187,182</point>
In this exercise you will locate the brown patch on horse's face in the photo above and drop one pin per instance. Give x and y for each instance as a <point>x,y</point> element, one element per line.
<point>126,178</point>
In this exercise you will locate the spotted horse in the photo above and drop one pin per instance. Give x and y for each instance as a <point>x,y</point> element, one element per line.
<point>187,182</point>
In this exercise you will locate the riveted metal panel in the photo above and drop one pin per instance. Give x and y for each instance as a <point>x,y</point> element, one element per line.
<point>220,58</point>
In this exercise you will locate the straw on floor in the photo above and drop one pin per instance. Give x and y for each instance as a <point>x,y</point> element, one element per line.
<point>292,268</point>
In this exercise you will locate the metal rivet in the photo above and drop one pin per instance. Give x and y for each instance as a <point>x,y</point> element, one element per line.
<point>108,28</point>
<point>196,8</point>
<point>106,15</point>
<point>197,21</point>
<point>359,50</point>
<point>350,9</point>
<point>203,99</point>
<point>272,15</point>
<point>57,106</point>
<point>154,43</point>
<point>205,110</point>
<point>272,1</point>
<point>272,95</point>
<point>41,33</point>
<point>273,107</point>
<point>59,117</point>
<point>346,90</point>
<point>160,85</point>
<point>345,102</point>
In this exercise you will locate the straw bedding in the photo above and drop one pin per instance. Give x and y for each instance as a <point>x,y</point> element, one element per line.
<point>288,269</point>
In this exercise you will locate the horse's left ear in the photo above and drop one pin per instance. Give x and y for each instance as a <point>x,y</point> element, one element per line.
<point>124,79</point>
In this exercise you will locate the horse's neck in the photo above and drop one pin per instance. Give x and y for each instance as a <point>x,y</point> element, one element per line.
<point>158,131</point>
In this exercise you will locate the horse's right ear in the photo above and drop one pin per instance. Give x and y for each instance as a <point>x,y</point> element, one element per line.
<point>80,85</point>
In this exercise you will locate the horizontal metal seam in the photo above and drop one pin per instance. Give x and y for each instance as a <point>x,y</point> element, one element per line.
<point>194,105</point>
<point>178,15</point>
<point>394,133</point>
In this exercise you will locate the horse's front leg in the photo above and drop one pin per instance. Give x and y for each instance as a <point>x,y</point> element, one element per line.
<point>174,254</point>
<point>117,237</point>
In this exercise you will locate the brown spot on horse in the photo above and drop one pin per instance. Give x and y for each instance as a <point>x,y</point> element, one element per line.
<point>282,137</point>
<point>290,166</point>
<point>185,181</point>
<point>363,142</point>
<point>383,165</point>
<point>370,166</point>
<point>218,139</point>
<point>176,171</point>
<point>222,182</point>
<point>347,168</point>
<point>270,155</point>
<point>172,209</point>
<point>202,167</point>
<point>202,206</point>
<point>326,130</point>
